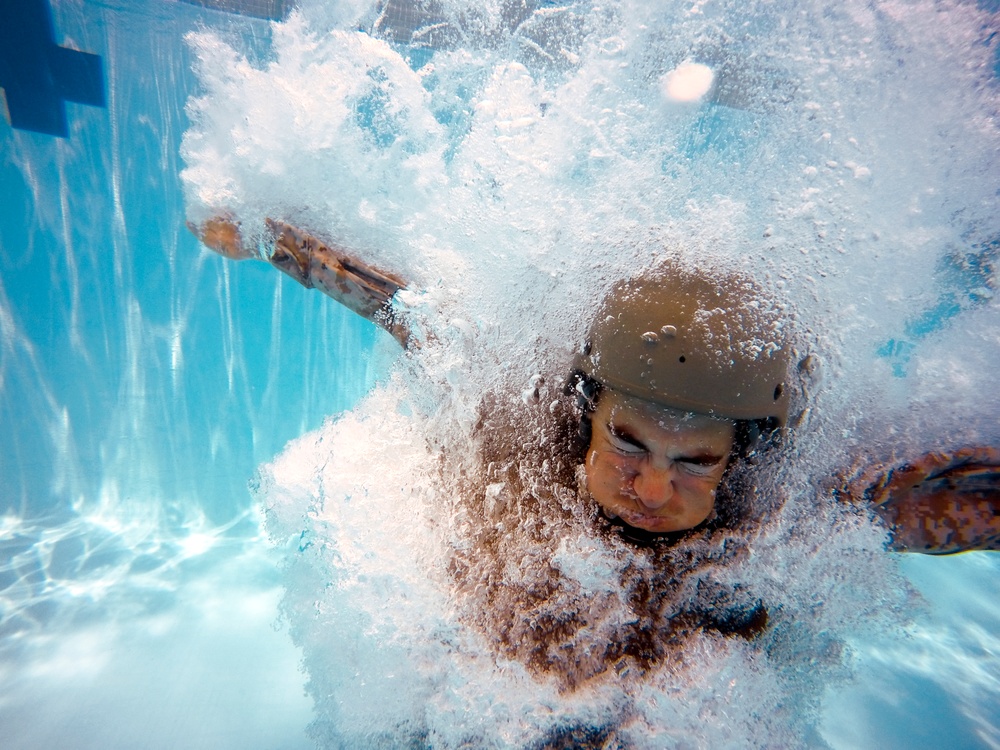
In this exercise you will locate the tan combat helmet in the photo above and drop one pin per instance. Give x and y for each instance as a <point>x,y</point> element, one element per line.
<point>707,342</point>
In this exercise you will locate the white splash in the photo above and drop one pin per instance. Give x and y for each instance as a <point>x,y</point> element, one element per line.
<point>515,173</point>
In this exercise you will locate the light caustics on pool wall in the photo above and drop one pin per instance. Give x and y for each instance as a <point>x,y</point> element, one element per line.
<point>847,152</point>
<point>514,160</point>
<point>137,368</point>
<point>141,378</point>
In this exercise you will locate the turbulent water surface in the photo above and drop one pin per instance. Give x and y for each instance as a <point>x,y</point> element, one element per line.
<point>512,161</point>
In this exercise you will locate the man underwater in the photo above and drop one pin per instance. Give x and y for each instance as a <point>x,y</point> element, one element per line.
<point>674,388</point>
<point>653,464</point>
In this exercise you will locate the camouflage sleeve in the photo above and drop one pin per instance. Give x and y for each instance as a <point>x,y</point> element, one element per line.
<point>941,503</point>
<point>356,285</point>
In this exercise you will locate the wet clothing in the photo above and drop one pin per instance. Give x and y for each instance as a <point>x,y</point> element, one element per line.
<point>356,285</point>
<point>940,503</point>
<point>570,594</point>
<point>581,738</point>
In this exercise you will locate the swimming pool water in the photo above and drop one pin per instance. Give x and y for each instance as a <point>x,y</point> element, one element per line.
<point>143,380</point>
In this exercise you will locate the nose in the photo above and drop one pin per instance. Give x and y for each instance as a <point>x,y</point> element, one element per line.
<point>654,485</point>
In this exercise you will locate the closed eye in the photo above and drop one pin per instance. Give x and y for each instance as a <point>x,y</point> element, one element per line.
<point>623,442</point>
<point>700,466</point>
<point>626,444</point>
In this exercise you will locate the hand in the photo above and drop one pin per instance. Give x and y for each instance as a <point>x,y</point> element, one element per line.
<point>222,235</point>
<point>939,503</point>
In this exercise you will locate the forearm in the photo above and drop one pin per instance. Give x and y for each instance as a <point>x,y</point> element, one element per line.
<point>940,503</point>
<point>943,524</point>
<point>362,288</point>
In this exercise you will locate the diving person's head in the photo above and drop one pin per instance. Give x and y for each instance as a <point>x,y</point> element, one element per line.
<point>683,372</point>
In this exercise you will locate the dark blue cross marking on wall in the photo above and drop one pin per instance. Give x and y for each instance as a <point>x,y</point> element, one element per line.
<point>38,77</point>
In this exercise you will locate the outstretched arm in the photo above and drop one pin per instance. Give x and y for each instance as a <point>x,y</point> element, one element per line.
<point>362,288</point>
<point>939,504</point>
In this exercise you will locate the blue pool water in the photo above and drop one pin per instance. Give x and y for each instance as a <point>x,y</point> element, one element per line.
<point>143,380</point>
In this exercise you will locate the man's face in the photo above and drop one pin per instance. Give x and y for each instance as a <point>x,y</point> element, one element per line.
<point>655,468</point>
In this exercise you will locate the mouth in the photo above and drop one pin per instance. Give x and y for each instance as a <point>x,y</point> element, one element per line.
<point>642,520</point>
